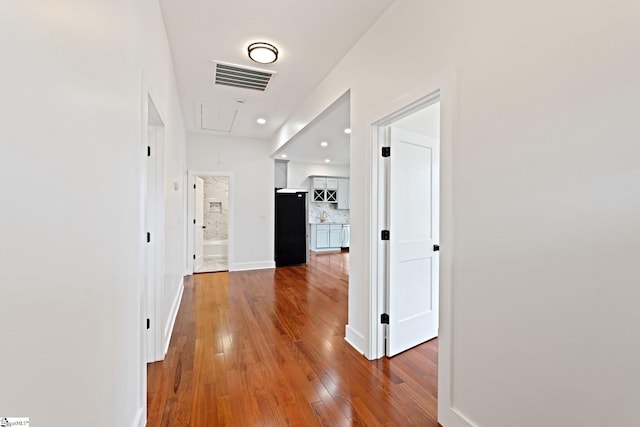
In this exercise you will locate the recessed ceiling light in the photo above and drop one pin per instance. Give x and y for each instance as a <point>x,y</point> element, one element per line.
<point>327,160</point>
<point>284,156</point>
<point>261,121</point>
<point>264,53</point>
<point>347,130</point>
<point>324,143</point>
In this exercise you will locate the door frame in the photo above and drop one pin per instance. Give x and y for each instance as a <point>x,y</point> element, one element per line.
<point>381,139</point>
<point>191,204</point>
<point>197,224</point>
<point>442,86</point>
<point>155,225</point>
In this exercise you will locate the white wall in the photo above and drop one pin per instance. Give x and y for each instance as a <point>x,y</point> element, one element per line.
<point>546,197</point>
<point>71,168</point>
<point>298,173</point>
<point>251,193</point>
<point>175,196</point>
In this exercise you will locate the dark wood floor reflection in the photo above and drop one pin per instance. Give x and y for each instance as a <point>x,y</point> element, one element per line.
<point>267,348</point>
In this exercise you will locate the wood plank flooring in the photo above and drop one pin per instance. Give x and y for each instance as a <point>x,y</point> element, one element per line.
<point>267,348</point>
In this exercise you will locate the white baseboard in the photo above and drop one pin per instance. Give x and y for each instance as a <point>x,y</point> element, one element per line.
<point>215,257</point>
<point>452,417</point>
<point>141,418</point>
<point>356,340</point>
<point>168,330</point>
<point>242,266</point>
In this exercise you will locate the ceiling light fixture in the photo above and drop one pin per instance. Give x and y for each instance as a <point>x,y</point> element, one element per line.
<point>261,121</point>
<point>347,130</point>
<point>284,156</point>
<point>324,143</point>
<point>327,160</point>
<point>263,53</point>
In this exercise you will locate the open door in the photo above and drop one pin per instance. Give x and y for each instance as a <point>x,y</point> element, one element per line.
<point>199,224</point>
<point>412,286</point>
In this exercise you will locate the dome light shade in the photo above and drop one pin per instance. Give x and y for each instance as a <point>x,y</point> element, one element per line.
<point>264,53</point>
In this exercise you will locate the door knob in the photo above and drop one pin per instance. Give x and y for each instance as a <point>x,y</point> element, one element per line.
<point>436,248</point>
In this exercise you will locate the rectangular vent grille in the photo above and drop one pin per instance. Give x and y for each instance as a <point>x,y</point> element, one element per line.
<point>237,76</point>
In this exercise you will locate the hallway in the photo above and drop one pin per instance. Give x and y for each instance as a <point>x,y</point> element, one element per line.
<point>266,347</point>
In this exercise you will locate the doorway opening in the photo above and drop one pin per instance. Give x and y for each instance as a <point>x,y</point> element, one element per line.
<point>437,88</point>
<point>212,224</point>
<point>210,218</point>
<point>408,145</point>
<point>318,162</point>
<point>154,225</point>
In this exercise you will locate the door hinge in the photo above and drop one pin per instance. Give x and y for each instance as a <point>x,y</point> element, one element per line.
<point>148,323</point>
<point>384,235</point>
<point>194,186</point>
<point>194,256</point>
<point>384,318</point>
<point>386,151</point>
<point>194,221</point>
<point>148,151</point>
<point>436,248</point>
<point>148,237</point>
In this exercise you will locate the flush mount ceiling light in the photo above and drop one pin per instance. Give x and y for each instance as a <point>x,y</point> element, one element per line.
<point>264,53</point>
<point>347,131</point>
<point>327,160</point>
<point>284,156</point>
<point>261,121</point>
<point>324,143</point>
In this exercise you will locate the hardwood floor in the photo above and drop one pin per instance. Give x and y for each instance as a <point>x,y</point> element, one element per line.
<point>267,348</point>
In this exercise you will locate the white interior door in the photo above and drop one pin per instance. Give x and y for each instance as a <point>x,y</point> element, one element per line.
<point>412,286</point>
<point>199,224</point>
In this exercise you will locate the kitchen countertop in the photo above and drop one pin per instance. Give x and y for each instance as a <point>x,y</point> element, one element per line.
<point>328,223</point>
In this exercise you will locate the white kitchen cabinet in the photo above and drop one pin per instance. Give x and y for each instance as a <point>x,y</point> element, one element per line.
<point>326,237</point>
<point>332,183</point>
<point>319,183</point>
<point>335,236</point>
<point>343,193</point>
<point>323,236</point>
<point>330,190</point>
<point>325,189</point>
<point>330,196</point>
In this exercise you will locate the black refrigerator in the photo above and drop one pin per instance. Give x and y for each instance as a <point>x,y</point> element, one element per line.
<point>291,228</point>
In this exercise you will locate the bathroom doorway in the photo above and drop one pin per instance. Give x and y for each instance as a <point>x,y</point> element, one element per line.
<point>211,223</point>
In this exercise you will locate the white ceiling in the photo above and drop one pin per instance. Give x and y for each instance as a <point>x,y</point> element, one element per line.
<point>328,127</point>
<point>312,37</point>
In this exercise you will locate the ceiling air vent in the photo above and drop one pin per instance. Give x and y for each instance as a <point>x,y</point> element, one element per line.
<point>238,76</point>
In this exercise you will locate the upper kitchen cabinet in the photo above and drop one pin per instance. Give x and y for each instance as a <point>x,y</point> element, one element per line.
<point>343,193</point>
<point>325,189</point>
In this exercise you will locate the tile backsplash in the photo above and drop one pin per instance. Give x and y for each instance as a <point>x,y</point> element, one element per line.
<point>333,215</point>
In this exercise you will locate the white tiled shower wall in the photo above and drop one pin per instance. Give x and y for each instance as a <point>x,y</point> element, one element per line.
<point>216,207</point>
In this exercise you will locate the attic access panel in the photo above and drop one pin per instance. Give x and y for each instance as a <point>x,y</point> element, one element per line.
<point>217,117</point>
